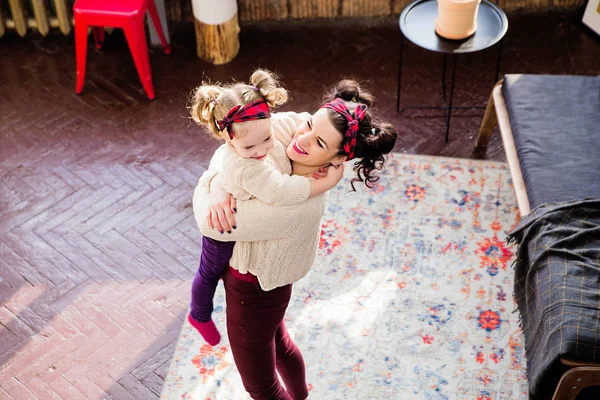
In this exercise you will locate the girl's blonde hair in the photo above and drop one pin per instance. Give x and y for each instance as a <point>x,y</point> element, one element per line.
<point>211,103</point>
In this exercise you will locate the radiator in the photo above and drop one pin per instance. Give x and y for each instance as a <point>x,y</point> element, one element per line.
<point>22,15</point>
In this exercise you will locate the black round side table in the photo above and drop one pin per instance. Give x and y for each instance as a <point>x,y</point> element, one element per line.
<point>417,24</point>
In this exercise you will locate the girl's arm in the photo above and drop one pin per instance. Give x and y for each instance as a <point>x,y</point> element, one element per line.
<point>270,186</point>
<point>284,125</point>
<point>214,167</point>
<point>266,183</point>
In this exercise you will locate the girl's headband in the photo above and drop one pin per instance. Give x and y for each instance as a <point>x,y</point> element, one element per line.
<point>256,110</point>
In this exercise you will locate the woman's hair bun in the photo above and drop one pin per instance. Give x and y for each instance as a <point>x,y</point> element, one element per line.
<point>349,90</point>
<point>383,138</point>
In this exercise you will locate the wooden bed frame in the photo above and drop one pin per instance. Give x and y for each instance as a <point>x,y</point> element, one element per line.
<point>579,374</point>
<point>496,114</point>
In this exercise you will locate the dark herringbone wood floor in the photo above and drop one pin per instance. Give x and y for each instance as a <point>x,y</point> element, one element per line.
<point>97,239</point>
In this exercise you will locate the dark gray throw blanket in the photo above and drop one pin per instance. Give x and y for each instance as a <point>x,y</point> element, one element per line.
<point>557,287</point>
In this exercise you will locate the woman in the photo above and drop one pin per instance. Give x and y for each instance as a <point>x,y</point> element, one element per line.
<point>276,246</point>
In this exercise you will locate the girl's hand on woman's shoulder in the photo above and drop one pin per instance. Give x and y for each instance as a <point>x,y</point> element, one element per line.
<point>335,173</point>
<point>321,173</point>
<point>221,208</point>
<point>326,179</point>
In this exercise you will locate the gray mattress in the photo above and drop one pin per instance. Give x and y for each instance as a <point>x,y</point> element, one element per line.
<point>556,126</point>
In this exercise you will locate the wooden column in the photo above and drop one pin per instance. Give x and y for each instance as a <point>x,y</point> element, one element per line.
<point>217,30</point>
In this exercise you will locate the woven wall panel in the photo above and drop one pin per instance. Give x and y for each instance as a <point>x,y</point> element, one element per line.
<point>261,10</point>
<point>301,9</point>
<point>179,10</point>
<point>366,8</point>
<point>398,5</point>
<point>568,4</point>
<point>509,5</point>
<point>264,10</point>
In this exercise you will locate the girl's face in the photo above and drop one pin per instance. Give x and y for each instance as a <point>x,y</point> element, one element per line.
<point>316,142</point>
<point>253,139</point>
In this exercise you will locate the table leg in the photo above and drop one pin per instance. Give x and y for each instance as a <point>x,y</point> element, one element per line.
<point>498,60</point>
<point>451,96</point>
<point>444,84</point>
<point>444,78</point>
<point>400,72</point>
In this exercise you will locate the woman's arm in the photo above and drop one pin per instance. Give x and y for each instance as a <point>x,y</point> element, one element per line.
<point>255,220</point>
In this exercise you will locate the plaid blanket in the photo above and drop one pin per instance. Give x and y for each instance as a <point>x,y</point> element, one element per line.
<point>557,287</point>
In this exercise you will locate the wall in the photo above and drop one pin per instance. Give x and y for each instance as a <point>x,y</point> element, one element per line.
<point>261,10</point>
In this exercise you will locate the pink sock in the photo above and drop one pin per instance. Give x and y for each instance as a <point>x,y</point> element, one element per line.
<point>208,330</point>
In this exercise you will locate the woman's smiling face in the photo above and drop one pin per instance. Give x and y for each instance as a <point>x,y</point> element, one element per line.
<point>316,142</point>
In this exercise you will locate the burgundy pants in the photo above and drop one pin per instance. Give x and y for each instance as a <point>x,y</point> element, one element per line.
<point>260,343</point>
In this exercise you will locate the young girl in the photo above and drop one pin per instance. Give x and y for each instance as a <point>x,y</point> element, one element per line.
<point>240,115</point>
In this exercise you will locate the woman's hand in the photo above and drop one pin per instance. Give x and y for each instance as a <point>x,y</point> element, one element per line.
<point>221,209</point>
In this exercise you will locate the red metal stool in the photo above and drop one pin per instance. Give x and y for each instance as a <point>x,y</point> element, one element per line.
<point>126,14</point>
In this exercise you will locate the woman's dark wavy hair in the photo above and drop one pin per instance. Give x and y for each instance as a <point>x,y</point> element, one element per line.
<point>374,139</point>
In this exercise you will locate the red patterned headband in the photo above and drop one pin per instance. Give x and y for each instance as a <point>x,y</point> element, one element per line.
<point>256,110</point>
<point>338,105</point>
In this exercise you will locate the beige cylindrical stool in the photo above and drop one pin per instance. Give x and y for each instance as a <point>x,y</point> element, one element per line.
<point>457,19</point>
<point>217,30</point>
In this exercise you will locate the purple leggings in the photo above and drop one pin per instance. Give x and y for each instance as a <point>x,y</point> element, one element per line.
<point>214,260</point>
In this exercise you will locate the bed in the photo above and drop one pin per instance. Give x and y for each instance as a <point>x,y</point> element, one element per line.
<point>550,128</point>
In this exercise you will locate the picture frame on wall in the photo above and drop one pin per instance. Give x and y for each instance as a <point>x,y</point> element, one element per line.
<point>591,16</point>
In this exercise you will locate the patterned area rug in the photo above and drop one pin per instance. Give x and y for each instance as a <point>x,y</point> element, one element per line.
<point>410,296</point>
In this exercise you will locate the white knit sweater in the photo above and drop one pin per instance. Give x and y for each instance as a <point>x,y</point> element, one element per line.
<point>246,178</point>
<point>278,244</point>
